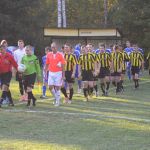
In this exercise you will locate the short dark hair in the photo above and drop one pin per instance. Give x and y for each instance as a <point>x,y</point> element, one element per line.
<point>47,48</point>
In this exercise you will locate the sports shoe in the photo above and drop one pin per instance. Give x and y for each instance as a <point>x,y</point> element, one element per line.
<point>69,101</point>
<point>33,102</point>
<point>79,91</point>
<point>66,100</point>
<point>43,97</point>
<point>28,103</point>
<point>11,104</point>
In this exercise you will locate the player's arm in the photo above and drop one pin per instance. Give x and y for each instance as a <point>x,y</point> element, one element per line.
<point>75,62</point>
<point>38,69</point>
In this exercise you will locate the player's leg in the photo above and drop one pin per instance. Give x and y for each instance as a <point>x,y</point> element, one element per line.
<point>58,84</point>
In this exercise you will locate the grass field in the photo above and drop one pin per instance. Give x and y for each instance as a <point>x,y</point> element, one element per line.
<point>117,122</point>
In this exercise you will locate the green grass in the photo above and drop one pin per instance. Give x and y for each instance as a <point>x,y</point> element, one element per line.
<point>117,122</point>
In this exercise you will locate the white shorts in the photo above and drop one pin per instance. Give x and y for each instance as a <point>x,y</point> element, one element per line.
<point>55,78</point>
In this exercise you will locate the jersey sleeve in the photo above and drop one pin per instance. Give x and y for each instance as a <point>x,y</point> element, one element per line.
<point>14,64</point>
<point>37,66</point>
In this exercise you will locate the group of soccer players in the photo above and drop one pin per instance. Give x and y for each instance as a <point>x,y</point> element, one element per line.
<point>89,66</point>
<point>61,68</point>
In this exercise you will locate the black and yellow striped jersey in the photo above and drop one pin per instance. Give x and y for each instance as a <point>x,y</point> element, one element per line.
<point>148,59</point>
<point>117,61</point>
<point>70,61</point>
<point>136,59</point>
<point>86,61</point>
<point>104,59</point>
<point>126,58</point>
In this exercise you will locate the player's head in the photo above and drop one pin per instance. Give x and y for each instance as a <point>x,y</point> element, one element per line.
<point>4,43</point>
<point>62,49</point>
<point>102,48</point>
<point>83,49</point>
<point>28,50</point>
<point>67,48</point>
<point>2,49</point>
<point>20,44</point>
<point>128,44</point>
<point>120,47</point>
<point>135,47</point>
<point>89,47</point>
<point>47,49</point>
<point>116,48</point>
<point>54,47</point>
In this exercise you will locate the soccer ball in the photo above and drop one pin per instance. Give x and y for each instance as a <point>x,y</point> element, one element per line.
<point>21,68</point>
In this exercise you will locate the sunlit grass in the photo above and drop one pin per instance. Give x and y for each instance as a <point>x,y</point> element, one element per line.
<point>117,122</point>
<point>9,144</point>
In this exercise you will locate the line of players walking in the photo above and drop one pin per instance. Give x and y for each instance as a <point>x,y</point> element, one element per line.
<point>60,68</point>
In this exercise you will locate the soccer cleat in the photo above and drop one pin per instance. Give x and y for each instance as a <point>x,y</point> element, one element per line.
<point>28,103</point>
<point>43,97</point>
<point>86,99</point>
<point>33,102</point>
<point>11,104</point>
<point>79,91</point>
<point>66,100</point>
<point>106,93</point>
<point>69,101</point>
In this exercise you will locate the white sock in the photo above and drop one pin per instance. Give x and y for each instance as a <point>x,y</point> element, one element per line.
<point>58,96</point>
<point>54,94</point>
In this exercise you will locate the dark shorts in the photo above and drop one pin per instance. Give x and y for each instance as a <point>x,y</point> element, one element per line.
<point>5,78</point>
<point>87,75</point>
<point>29,80</point>
<point>115,74</point>
<point>135,70</point>
<point>18,77</point>
<point>68,75</point>
<point>104,72</point>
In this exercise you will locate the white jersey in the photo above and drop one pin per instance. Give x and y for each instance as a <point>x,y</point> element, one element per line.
<point>18,54</point>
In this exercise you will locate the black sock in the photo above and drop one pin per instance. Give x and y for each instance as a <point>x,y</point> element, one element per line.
<point>85,91</point>
<point>149,71</point>
<point>31,96</point>
<point>135,82</point>
<point>95,87</point>
<point>91,90</point>
<point>121,84</point>
<point>21,87</point>
<point>4,94</point>
<point>118,87</point>
<point>88,90</point>
<point>103,87</point>
<point>107,87</point>
<point>71,94</point>
<point>114,83</point>
<point>9,97</point>
<point>63,90</point>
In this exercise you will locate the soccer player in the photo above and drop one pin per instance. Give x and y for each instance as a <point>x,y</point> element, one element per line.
<point>104,69</point>
<point>125,60</point>
<point>5,44</point>
<point>137,61</point>
<point>116,67</point>
<point>148,59</point>
<point>45,76</point>
<point>87,67</point>
<point>55,65</point>
<point>18,54</point>
<point>90,51</point>
<point>77,54</point>
<point>70,68</point>
<point>6,63</point>
<point>128,50</point>
<point>32,71</point>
